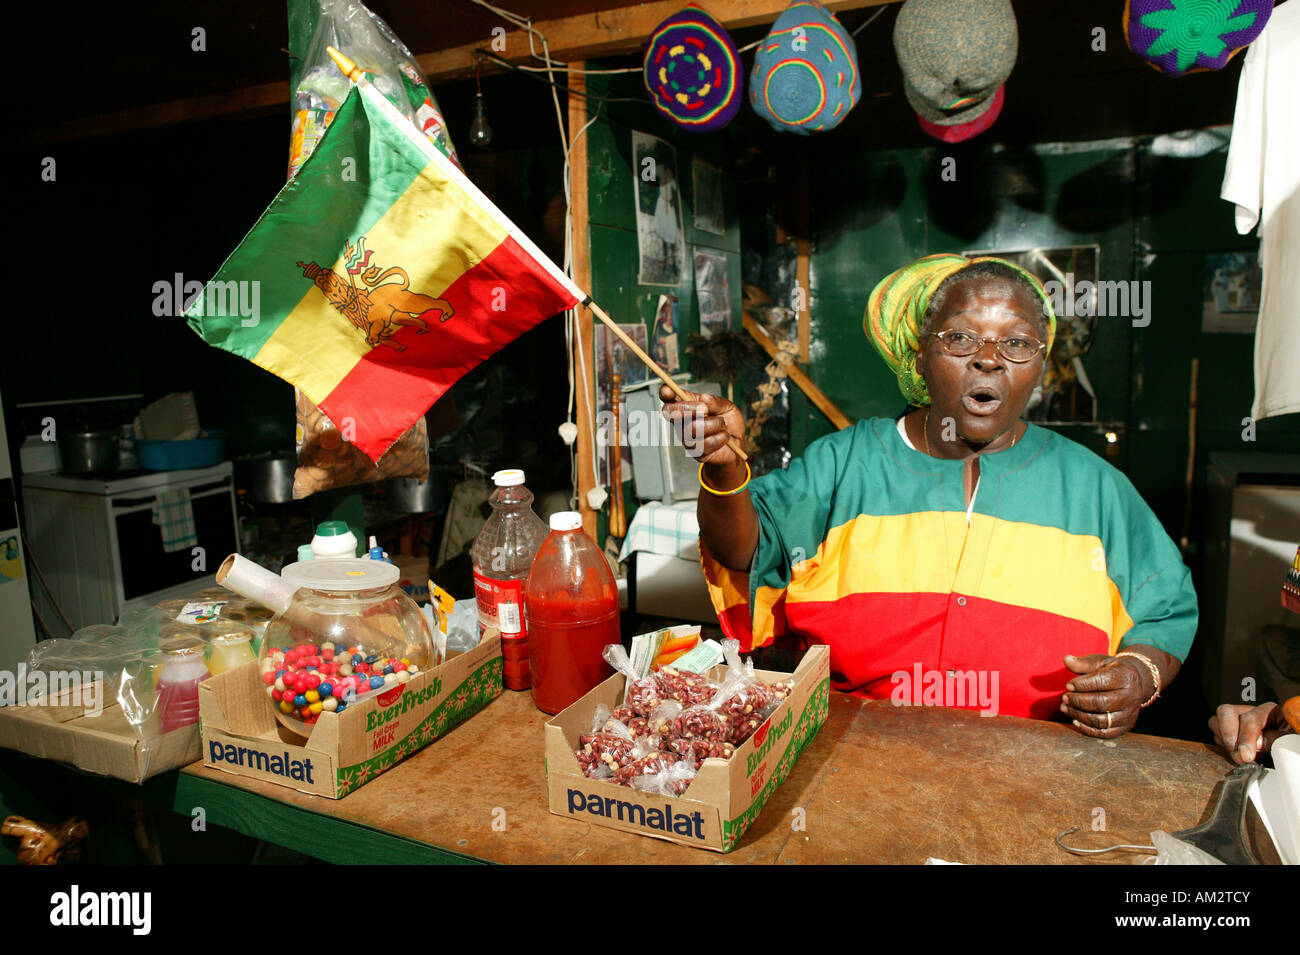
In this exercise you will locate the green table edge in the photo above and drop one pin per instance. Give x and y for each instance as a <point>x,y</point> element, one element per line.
<point>316,834</point>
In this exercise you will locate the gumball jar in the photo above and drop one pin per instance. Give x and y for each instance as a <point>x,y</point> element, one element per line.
<point>348,633</point>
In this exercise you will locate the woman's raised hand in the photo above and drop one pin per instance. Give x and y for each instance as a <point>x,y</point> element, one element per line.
<point>705,422</point>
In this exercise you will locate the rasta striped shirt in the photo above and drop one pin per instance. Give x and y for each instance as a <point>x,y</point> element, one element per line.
<point>864,546</point>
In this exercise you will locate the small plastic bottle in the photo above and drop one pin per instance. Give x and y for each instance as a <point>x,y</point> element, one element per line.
<point>232,647</point>
<point>334,540</point>
<point>571,605</point>
<point>183,670</point>
<point>502,554</point>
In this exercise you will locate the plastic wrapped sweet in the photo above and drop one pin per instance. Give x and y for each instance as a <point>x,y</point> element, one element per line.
<point>672,720</point>
<point>348,632</point>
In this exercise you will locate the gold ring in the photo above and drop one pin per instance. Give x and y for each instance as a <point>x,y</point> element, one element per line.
<point>1108,721</point>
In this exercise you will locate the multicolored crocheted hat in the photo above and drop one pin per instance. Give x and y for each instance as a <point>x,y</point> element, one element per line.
<point>805,78</point>
<point>692,71</point>
<point>1191,36</point>
<point>955,56</point>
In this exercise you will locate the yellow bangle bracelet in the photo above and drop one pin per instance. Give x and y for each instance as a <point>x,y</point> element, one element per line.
<point>748,475</point>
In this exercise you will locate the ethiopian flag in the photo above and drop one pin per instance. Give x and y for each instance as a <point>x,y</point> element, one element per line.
<point>378,277</point>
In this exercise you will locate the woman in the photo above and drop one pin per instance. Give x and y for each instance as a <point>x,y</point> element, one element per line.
<point>959,546</point>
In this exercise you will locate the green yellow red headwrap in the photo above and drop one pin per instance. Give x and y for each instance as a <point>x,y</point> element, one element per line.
<point>896,312</point>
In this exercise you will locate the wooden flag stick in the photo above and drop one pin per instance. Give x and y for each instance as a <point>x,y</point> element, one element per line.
<point>654,367</point>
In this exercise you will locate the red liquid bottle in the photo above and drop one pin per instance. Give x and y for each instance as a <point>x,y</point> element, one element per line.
<point>178,684</point>
<point>571,605</point>
<point>502,554</point>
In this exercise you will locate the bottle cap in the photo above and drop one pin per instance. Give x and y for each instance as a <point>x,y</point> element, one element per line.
<point>508,478</point>
<point>233,636</point>
<point>566,521</point>
<point>183,647</point>
<point>331,529</point>
<point>305,552</point>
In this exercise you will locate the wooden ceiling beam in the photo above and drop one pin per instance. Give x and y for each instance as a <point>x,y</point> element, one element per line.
<point>619,29</point>
<point>611,32</point>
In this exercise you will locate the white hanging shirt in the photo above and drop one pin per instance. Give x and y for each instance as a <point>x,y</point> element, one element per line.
<point>1263,179</point>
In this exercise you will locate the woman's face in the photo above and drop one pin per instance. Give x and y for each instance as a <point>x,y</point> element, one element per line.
<point>984,393</point>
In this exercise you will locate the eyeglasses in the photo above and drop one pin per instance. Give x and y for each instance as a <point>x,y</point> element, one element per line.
<point>1021,348</point>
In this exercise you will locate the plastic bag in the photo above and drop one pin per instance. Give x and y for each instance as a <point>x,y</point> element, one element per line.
<point>744,700</point>
<point>607,748</point>
<point>462,626</point>
<point>101,665</point>
<point>326,460</point>
<point>662,719</point>
<point>701,749</point>
<point>355,31</point>
<point>641,693</point>
<point>1173,851</point>
<point>673,780</point>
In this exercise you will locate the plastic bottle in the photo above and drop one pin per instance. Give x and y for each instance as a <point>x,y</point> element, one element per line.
<point>183,670</point>
<point>334,541</point>
<point>231,648</point>
<point>502,554</point>
<point>571,605</point>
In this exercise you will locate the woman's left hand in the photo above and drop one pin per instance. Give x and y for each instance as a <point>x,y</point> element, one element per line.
<point>1104,701</point>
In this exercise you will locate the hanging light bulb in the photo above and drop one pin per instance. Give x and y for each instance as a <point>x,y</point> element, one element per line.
<point>480,133</point>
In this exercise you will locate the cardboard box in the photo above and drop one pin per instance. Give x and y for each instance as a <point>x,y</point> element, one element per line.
<point>242,736</point>
<point>725,797</point>
<point>415,576</point>
<point>105,744</point>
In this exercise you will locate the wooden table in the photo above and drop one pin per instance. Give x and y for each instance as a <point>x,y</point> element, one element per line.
<point>879,784</point>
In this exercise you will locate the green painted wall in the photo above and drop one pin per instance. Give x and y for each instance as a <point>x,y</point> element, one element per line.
<point>612,213</point>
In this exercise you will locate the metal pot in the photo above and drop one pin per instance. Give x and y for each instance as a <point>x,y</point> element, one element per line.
<point>92,452</point>
<point>409,496</point>
<point>270,476</point>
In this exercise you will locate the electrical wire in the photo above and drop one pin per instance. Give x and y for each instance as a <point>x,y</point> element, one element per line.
<point>566,143</point>
<point>501,61</point>
<point>866,23</point>
<point>49,591</point>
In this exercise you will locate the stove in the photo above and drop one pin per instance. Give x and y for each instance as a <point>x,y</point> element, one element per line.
<point>98,546</point>
<point>125,482</point>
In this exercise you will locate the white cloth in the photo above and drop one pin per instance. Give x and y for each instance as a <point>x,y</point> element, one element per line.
<point>669,529</point>
<point>1262,179</point>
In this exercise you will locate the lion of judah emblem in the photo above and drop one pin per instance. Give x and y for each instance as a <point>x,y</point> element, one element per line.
<point>379,306</point>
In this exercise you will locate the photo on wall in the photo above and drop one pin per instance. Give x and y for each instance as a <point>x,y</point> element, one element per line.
<point>1232,288</point>
<point>706,192</point>
<point>613,357</point>
<point>661,245</point>
<point>712,292</point>
<point>664,339</point>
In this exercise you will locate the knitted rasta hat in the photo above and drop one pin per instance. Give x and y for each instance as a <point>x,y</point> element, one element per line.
<point>692,71</point>
<point>805,76</point>
<point>955,55</point>
<point>1191,36</point>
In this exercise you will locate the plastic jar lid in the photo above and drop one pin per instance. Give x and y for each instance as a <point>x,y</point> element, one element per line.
<point>508,478</point>
<point>349,574</point>
<point>566,521</point>
<point>233,636</point>
<point>183,647</point>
